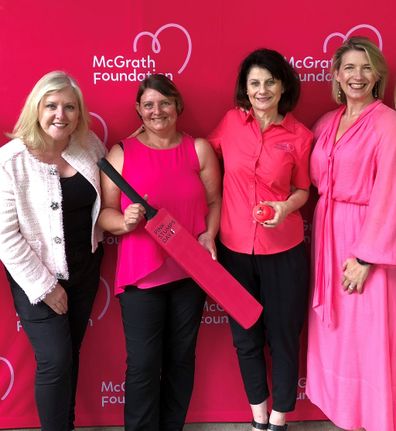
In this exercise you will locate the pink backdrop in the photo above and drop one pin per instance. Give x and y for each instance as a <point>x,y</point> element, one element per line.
<point>109,47</point>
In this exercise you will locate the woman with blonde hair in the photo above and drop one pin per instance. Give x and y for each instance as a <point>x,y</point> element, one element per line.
<point>49,240</point>
<point>352,340</point>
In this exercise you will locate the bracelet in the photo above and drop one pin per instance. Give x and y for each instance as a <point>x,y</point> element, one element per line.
<point>362,262</point>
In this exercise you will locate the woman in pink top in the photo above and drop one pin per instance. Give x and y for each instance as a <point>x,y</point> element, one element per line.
<point>161,306</point>
<point>352,324</point>
<point>265,153</point>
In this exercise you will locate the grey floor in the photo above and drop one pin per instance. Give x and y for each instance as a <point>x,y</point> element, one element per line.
<point>293,426</point>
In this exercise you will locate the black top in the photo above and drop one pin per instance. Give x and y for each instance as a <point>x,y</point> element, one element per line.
<point>78,198</point>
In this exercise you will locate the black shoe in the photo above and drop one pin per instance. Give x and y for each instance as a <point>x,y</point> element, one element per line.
<point>277,427</point>
<point>259,426</point>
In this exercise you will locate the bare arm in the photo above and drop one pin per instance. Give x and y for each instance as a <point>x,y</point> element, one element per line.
<point>211,179</point>
<point>111,217</point>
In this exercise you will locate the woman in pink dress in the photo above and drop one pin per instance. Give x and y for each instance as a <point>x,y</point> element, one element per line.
<point>352,334</point>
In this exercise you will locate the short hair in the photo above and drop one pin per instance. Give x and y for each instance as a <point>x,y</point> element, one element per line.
<point>279,68</point>
<point>375,58</point>
<point>28,128</point>
<point>163,85</point>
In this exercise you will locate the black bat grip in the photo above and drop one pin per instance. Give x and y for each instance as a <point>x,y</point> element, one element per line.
<point>124,186</point>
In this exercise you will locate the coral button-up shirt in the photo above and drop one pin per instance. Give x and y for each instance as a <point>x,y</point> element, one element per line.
<point>260,166</point>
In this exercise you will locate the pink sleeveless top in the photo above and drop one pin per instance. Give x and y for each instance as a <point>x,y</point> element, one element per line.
<point>171,180</point>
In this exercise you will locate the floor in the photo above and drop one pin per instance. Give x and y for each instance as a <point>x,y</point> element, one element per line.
<point>293,426</point>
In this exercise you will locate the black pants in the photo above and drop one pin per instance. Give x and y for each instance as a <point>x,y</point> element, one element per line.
<point>56,339</point>
<point>280,283</point>
<point>161,327</point>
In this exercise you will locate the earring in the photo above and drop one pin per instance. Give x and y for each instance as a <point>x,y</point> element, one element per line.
<point>339,93</point>
<point>375,90</point>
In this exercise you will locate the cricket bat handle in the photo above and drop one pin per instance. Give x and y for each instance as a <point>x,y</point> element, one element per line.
<point>119,181</point>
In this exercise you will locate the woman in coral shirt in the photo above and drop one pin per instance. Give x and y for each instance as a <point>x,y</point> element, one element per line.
<point>265,153</point>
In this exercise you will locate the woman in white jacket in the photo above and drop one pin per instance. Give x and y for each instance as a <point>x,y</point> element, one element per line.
<point>49,241</point>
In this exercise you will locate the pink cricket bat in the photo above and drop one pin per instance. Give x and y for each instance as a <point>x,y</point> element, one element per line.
<point>192,257</point>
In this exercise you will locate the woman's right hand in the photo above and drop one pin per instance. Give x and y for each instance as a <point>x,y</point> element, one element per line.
<point>57,300</point>
<point>133,214</point>
<point>208,242</point>
<point>137,132</point>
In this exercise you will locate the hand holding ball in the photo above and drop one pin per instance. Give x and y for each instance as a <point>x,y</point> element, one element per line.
<point>262,213</point>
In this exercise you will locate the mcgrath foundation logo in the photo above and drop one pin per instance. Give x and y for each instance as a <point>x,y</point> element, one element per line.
<point>123,68</point>
<point>213,314</point>
<point>301,395</point>
<point>313,69</point>
<point>105,130</point>
<point>113,393</point>
<point>349,33</point>
<point>6,378</point>
<point>156,46</point>
<point>105,286</point>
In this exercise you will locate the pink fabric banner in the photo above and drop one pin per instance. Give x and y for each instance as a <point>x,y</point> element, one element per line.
<point>109,47</point>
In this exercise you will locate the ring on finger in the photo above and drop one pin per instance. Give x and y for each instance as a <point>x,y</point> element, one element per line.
<point>351,286</point>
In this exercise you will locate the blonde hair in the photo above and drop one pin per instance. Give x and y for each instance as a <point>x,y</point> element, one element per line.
<point>375,58</point>
<point>28,128</point>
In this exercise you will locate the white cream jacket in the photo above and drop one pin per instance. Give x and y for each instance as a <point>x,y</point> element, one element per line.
<point>31,224</point>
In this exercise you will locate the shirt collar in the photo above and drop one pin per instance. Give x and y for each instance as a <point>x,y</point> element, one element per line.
<point>288,122</point>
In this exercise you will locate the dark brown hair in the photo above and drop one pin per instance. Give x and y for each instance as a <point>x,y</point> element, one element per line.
<point>279,68</point>
<point>163,85</point>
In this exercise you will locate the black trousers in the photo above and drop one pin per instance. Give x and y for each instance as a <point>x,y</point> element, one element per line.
<point>161,327</point>
<point>56,339</point>
<point>280,283</point>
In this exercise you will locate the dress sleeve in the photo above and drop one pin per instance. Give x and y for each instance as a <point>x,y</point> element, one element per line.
<point>16,253</point>
<point>377,240</point>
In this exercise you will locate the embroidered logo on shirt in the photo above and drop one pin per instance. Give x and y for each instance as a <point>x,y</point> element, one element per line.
<point>284,146</point>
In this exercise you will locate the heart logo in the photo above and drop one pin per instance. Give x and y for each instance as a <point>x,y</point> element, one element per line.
<point>106,305</point>
<point>156,46</point>
<point>100,310</point>
<point>104,126</point>
<point>346,36</point>
<point>10,385</point>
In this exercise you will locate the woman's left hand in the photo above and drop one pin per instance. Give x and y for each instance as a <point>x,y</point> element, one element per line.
<point>207,241</point>
<point>354,275</point>
<point>281,209</point>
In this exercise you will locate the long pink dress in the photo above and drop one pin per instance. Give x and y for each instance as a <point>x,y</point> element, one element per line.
<point>351,372</point>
